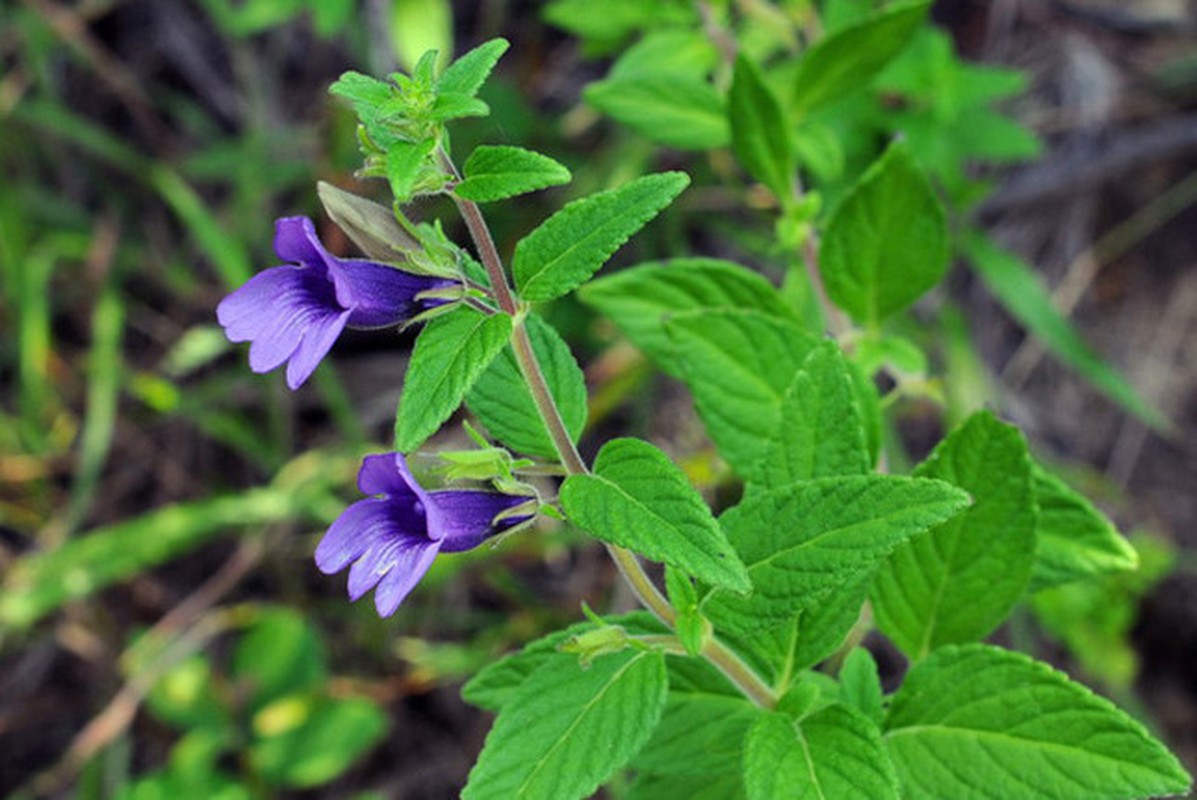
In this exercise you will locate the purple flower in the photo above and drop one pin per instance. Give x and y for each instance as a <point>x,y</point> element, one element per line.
<point>391,540</point>
<point>295,312</point>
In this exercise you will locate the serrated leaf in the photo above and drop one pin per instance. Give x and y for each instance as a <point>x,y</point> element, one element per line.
<point>570,246</point>
<point>467,74</point>
<point>738,365</point>
<point>1073,539</point>
<point>501,400</point>
<point>495,684</point>
<point>448,357</point>
<point>760,132</point>
<point>568,728</point>
<point>639,298</point>
<point>847,60</point>
<point>456,105</point>
<point>780,652</point>
<point>638,498</point>
<point>1022,293</point>
<point>405,161</point>
<point>699,734</point>
<point>860,684</point>
<point>680,111</point>
<point>1023,730</point>
<point>887,242</point>
<point>820,433</point>
<point>958,582</point>
<point>830,754</point>
<point>365,94</point>
<point>801,542</point>
<point>494,173</point>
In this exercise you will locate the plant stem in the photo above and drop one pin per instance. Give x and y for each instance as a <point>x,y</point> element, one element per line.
<point>739,673</point>
<point>625,560</point>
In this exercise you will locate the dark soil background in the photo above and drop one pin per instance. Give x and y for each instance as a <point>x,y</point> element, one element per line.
<point>1113,94</point>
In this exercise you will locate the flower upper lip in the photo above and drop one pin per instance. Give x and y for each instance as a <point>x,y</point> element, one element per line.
<point>294,312</point>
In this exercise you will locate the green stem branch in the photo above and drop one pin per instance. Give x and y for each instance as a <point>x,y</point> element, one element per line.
<point>625,560</point>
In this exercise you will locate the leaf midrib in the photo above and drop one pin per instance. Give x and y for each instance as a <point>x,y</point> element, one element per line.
<point>637,503</point>
<point>582,712</point>
<point>848,528</point>
<point>1020,741</point>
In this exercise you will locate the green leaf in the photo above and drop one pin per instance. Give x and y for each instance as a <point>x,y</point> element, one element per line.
<point>686,53</point>
<point>365,94</point>
<point>820,433</point>
<point>467,74</point>
<point>405,161</point>
<point>1074,539</point>
<point>281,654</point>
<point>979,722</point>
<point>570,246</point>
<point>691,627</point>
<point>638,498</point>
<point>887,242</point>
<point>448,357</point>
<point>700,734</point>
<point>317,738</point>
<point>760,132</point>
<point>847,60</point>
<point>803,541</point>
<point>456,105</point>
<point>1023,294</point>
<point>834,753</point>
<point>604,25</point>
<point>958,582</point>
<point>494,173</point>
<point>680,111</point>
<point>568,728</point>
<point>780,652</point>
<point>650,786</point>
<point>501,400</point>
<point>639,299</point>
<point>860,684</point>
<point>739,364</point>
<point>1094,618</point>
<point>496,683</point>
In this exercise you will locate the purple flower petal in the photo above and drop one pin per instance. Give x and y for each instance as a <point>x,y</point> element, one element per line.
<point>365,524</point>
<point>317,339</point>
<point>410,564</point>
<point>295,240</point>
<point>465,517</point>
<point>388,474</point>
<point>379,295</point>
<point>244,314</point>
<point>409,556</point>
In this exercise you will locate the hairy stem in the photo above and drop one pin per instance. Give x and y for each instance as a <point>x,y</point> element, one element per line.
<point>628,564</point>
